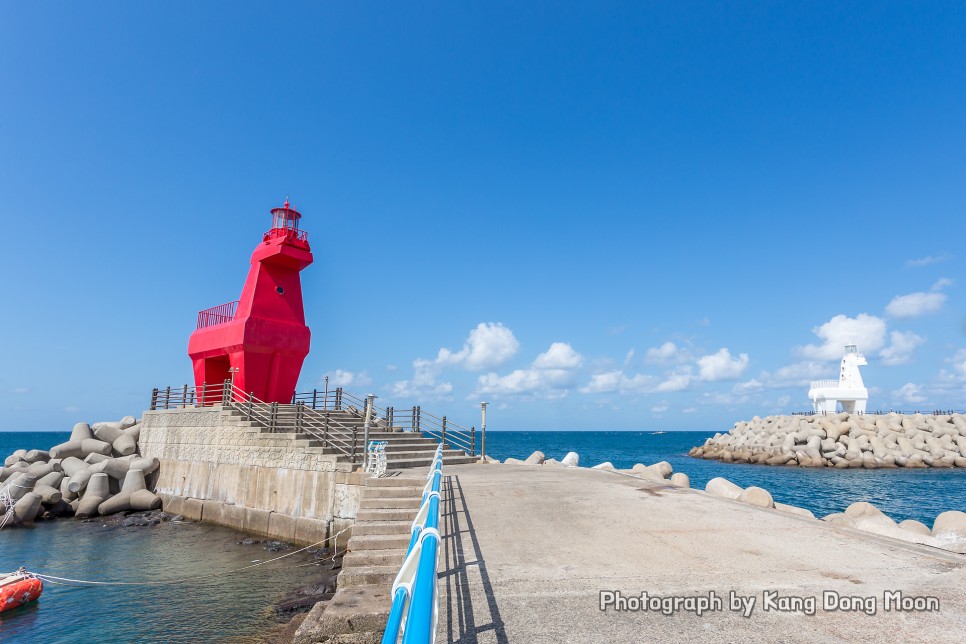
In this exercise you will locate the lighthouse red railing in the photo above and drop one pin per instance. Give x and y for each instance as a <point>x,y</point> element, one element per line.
<point>217,314</point>
<point>292,234</point>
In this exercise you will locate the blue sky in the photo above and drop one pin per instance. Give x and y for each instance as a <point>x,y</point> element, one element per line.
<point>655,215</point>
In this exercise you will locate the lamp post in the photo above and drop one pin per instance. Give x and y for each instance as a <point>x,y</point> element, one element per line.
<point>483,430</point>
<point>365,431</point>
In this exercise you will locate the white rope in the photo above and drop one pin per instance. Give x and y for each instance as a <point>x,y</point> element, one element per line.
<point>68,581</point>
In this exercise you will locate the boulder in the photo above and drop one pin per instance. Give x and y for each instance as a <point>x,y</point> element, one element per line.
<point>537,458</point>
<point>513,461</point>
<point>572,459</point>
<point>863,509</point>
<point>680,479</point>
<point>145,500</point>
<point>607,465</point>
<point>663,468</point>
<point>68,449</point>
<point>36,455</point>
<point>720,486</point>
<point>125,445</point>
<point>26,509</point>
<point>94,446</point>
<point>551,461</point>
<point>915,526</point>
<point>951,524</point>
<point>757,496</point>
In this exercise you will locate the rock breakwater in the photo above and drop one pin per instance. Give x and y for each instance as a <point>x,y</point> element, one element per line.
<point>97,472</point>
<point>843,441</point>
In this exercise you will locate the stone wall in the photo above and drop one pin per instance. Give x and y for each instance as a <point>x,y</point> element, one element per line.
<point>217,469</point>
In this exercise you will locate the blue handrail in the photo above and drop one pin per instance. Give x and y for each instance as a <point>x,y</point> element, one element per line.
<point>414,600</point>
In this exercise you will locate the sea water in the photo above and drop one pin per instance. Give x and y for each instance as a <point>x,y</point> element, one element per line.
<point>901,493</point>
<point>210,607</point>
<point>237,607</point>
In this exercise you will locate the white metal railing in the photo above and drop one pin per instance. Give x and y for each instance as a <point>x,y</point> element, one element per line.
<point>824,384</point>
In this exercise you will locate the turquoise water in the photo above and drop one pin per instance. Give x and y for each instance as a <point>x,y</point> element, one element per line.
<point>211,609</point>
<point>238,606</point>
<point>919,494</point>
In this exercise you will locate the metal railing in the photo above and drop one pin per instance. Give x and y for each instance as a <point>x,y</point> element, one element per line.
<point>414,595</point>
<point>316,405</point>
<point>217,314</point>
<point>880,412</point>
<point>291,233</point>
<point>823,384</point>
<point>332,430</point>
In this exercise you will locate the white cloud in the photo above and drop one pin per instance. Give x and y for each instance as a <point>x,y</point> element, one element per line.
<point>391,368</point>
<point>689,410</point>
<point>560,355</point>
<point>867,331</point>
<point>628,357</point>
<point>927,260</point>
<point>20,390</point>
<point>915,305</point>
<point>343,378</point>
<point>902,345</point>
<point>797,374</point>
<point>679,380</point>
<point>748,386</point>
<point>941,283</point>
<point>659,409</point>
<point>721,366</point>
<point>662,354</point>
<point>550,375</point>
<point>488,345</point>
<point>958,361</point>
<point>908,393</point>
<point>72,410</point>
<point>617,380</point>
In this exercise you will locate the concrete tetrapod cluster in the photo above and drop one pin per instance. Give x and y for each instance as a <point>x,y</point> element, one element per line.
<point>843,441</point>
<point>948,530</point>
<point>97,472</point>
<point>661,472</point>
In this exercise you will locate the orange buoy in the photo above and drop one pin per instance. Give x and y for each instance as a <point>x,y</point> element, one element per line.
<point>19,588</point>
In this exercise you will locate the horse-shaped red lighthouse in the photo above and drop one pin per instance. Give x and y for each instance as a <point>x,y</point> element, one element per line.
<point>260,341</point>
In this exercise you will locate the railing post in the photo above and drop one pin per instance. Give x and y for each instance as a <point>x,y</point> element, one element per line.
<point>251,395</point>
<point>390,417</point>
<point>442,441</point>
<point>412,420</point>
<point>225,393</point>
<point>368,418</point>
<point>325,432</point>
<point>473,441</point>
<point>273,418</point>
<point>325,396</point>
<point>154,399</point>
<point>184,396</point>
<point>167,397</point>
<point>355,434</point>
<point>315,395</point>
<point>419,420</point>
<point>204,393</point>
<point>338,398</point>
<point>483,431</point>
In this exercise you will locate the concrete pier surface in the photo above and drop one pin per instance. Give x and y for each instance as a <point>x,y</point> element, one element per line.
<point>527,551</point>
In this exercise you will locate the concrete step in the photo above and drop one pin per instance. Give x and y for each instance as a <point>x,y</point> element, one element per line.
<point>391,503</point>
<point>378,541</point>
<point>385,514</point>
<point>391,557</point>
<point>367,575</point>
<point>368,528</point>
<point>396,481</point>
<point>404,492</point>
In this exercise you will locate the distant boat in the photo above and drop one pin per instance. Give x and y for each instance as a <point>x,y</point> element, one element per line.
<point>658,432</point>
<point>19,588</point>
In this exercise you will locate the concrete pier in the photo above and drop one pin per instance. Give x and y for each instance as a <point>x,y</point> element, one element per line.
<point>527,551</point>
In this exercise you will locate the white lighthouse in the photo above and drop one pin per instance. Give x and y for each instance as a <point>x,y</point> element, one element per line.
<point>848,391</point>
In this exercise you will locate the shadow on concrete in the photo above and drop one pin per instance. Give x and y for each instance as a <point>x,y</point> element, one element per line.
<point>464,603</point>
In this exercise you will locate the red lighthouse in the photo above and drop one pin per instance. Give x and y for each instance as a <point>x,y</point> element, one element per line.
<point>260,341</point>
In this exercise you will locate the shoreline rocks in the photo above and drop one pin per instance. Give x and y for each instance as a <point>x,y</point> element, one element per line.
<point>97,472</point>
<point>843,441</point>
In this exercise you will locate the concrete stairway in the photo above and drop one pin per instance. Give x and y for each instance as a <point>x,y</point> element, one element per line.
<point>377,548</point>
<point>404,450</point>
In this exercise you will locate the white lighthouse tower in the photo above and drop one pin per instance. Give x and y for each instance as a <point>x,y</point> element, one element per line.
<point>848,391</point>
